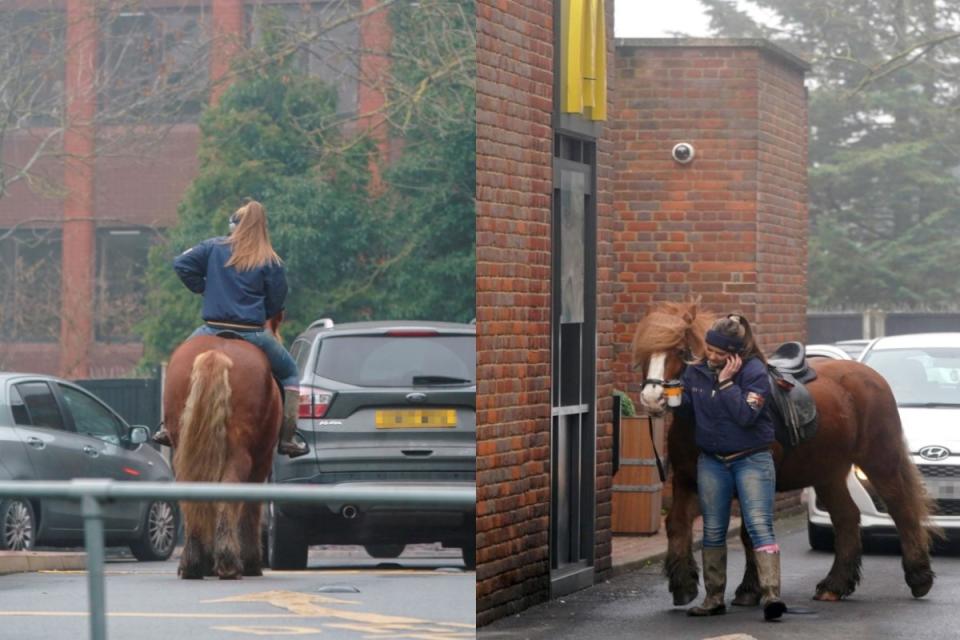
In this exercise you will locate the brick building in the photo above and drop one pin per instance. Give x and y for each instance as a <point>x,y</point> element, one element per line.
<point>74,254</point>
<point>560,285</point>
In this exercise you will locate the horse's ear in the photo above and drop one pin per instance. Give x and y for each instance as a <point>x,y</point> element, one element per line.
<point>690,314</point>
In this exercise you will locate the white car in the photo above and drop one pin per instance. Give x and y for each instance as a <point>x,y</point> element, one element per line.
<point>924,372</point>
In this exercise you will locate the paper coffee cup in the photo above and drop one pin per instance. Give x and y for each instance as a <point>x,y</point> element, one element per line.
<point>674,395</point>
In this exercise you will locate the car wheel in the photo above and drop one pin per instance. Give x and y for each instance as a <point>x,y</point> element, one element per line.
<point>385,550</point>
<point>18,526</point>
<point>159,536</point>
<point>820,538</point>
<point>286,542</point>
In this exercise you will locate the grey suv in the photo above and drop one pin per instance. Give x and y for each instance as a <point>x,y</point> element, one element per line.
<point>381,403</point>
<point>51,429</point>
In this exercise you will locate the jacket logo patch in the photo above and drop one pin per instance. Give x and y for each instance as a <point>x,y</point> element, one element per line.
<point>755,400</point>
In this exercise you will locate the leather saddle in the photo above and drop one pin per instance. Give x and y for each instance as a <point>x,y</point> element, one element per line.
<point>794,413</point>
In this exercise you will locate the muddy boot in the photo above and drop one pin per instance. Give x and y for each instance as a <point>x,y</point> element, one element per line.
<point>288,428</point>
<point>161,437</point>
<point>768,571</point>
<point>714,582</point>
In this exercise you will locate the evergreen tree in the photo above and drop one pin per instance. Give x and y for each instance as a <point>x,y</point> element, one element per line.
<point>884,136</point>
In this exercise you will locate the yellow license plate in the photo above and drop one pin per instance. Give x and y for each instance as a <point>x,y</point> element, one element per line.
<point>416,418</point>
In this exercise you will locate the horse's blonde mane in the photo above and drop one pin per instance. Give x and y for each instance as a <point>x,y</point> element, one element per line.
<point>668,326</point>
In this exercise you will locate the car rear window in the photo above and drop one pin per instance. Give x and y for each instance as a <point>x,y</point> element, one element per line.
<point>398,361</point>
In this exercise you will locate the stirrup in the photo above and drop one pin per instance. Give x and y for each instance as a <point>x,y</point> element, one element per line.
<point>292,448</point>
<point>161,437</point>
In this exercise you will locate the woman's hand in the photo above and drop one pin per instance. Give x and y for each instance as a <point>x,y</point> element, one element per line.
<point>730,368</point>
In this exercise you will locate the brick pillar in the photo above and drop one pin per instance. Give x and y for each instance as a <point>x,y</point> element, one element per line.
<point>376,37</point>
<point>76,308</point>
<point>227,42</point>
<point>730,226</point>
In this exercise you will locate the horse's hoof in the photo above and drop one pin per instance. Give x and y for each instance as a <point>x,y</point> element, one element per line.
<point>230,576</point>
<point>920,590</point>
<point>681,598</point>
<point>827,596</point>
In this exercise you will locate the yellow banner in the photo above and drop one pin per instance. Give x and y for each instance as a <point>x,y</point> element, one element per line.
<point>583,82</point>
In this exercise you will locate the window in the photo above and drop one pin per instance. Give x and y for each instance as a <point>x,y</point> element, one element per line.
<point>91,418</point>
<point>121,283</point>
<point>153,65</point>
<point>326,52</point>
<point>395,361</point>
<point>20,413</point>
<point>41,406</point>
<point>30,263</point>
<point>31,49</point>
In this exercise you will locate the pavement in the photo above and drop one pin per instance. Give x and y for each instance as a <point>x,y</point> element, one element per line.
<point>632,552</point>
<point>27,561</point>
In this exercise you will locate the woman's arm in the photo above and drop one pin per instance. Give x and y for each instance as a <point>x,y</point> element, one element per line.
<point>191,266</point>
<point>745,395</point>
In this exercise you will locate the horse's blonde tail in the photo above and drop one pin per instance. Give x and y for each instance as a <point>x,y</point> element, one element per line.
<point>201,452</point>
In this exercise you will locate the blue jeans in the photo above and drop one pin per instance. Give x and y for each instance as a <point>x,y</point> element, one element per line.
<point>752,479</point>
<point>281,362</point>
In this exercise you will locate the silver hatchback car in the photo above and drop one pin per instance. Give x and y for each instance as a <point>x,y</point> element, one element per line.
<point>381,404</point>
<point>51,429</point>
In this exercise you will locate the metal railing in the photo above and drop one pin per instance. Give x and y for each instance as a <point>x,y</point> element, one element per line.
<point>91,493</point>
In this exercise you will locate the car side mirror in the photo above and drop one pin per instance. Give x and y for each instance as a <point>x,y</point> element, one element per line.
<point>139,434</point>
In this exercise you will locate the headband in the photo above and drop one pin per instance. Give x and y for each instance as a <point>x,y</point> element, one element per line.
<point>730,344</point>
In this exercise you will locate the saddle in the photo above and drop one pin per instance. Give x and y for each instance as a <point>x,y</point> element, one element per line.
<point>793,410</point>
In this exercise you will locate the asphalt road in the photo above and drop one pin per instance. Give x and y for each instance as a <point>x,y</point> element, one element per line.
<point>638,606</point>
<point>425,594</point>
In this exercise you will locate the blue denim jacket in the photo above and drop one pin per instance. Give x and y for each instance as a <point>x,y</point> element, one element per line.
<point>229,295</point>
<point>730,420</point>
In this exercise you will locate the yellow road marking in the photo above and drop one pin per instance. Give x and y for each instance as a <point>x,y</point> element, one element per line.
<point>272,631</point>
<point>307,604</point>
<point>134,614</point>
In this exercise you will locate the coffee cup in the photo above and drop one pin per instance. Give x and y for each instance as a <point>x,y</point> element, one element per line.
<point>673,391</point>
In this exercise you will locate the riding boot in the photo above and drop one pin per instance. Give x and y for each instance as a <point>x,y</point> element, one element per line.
<point>768,572</point>
<point>162,437</point>
<point>714,582</point>
<point>288,429</point>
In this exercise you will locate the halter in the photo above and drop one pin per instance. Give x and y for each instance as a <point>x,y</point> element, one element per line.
<point>685,356</point>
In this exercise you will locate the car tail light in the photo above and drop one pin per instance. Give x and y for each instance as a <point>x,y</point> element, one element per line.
<point>314,402</point>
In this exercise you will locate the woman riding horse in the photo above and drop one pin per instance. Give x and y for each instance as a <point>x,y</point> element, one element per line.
<point>858,424</point>
<point>243,283</point>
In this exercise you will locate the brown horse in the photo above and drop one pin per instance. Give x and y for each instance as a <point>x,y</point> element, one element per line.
<point>858,425</point>
<point>223,411</point>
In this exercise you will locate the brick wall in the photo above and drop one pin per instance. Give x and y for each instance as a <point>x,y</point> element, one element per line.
<point>606,326</point>
<point>731,225</point>
<point>514,184</point>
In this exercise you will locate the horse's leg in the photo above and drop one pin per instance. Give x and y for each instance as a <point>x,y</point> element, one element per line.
<point>226,546</point>
<point>748,593</point>
<point>844,575</point>
<point>679,565</point>
<point>191,560</point>
<point>227,552</point>
<point>904,495</point>
<point>250,539</point>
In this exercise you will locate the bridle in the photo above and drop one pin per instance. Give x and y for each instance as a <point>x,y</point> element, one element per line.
<point>685,357</point>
